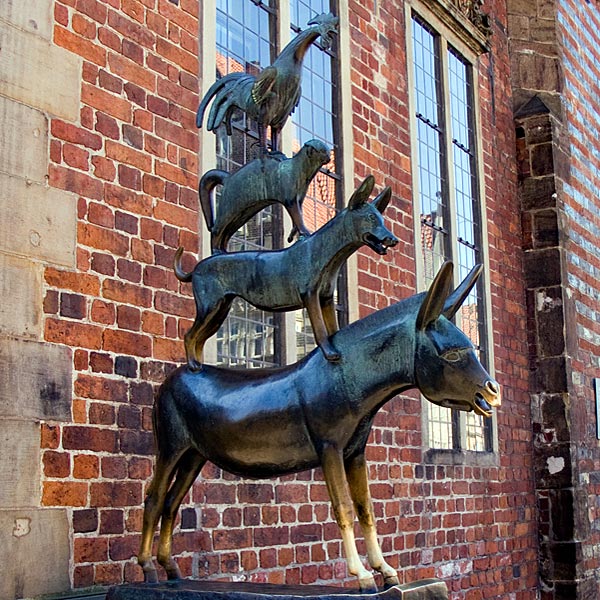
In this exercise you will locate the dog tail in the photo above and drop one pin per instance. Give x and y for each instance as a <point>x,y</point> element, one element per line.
<point>179,272</point>
<point>208,182</point>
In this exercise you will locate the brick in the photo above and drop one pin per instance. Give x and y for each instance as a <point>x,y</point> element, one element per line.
<point>106,102</point>
<point>90,549</point>
<point>128,155</point>
<point>80,45</point>
<point>89,438</point>
<point>73,334</point>
<point>123,342</point>
<point>104,168</point>
<point>85,521</point>
<point>100,388</point>
<point>100,238</point>
<point>116,494</point>
<point>85,466</point>
<point>101,414</point>
<point>131,30</point>
<point>64,493</point>
<point>127,293</point>
<point>130,71</point>
<point>107,126</point>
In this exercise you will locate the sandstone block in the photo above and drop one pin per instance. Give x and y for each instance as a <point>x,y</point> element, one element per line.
<point>34,552</point>
<point>35,380</point>
<point>19,464</point>
<point>38,221</point>
<point>20,296</point>
<point>29,73</point>
<point>34,16</point>
<point>24,141</point>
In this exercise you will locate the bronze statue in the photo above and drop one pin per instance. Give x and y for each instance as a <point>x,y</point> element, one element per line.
<point>301,276</point>
<point>258,184</point>
<point>269,422</point>
<point>270,97</point>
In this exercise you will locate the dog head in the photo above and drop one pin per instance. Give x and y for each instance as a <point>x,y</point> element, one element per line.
<point>367,217</point>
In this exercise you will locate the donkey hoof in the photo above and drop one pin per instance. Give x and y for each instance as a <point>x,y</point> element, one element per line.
<point>150,574</point>
<point>391,580</point>
<point>367,585</point>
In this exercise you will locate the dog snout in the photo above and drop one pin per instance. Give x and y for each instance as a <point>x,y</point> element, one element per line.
<point>390,242</point>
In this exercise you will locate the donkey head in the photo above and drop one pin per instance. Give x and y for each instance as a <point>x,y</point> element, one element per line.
<point>366,217</point>
<point>447,371</point>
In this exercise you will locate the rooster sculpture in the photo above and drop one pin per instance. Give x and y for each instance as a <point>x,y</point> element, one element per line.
<point>270,97</point>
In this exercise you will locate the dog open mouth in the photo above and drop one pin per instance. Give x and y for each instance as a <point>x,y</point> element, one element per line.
<point>380,246</point>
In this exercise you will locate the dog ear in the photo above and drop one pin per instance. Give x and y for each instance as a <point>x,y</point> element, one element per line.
<point>382,200</point>
<point>362,193</point>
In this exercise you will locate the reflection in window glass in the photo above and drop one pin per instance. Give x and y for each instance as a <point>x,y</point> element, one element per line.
<point>315,117</point>
<point>245,43</point>
<point>449,217</point>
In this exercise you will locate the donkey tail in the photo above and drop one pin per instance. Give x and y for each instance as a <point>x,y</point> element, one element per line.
<point>208,182</point>
<point>179,272</point>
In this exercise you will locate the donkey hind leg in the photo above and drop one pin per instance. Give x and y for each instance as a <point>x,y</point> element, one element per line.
<point>335,478</point>
<point>207,323</point>
<point>188,468</point>
<point>163,474</point>
<point>356,472</point>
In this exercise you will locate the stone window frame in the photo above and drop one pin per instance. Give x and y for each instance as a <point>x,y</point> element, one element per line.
<point>207,156</point>
<point>457,31</point>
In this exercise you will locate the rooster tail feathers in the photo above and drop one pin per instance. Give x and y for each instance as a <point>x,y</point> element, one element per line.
<point>216,89</point>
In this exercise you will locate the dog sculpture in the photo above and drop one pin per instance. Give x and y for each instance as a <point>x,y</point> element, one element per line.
<point>301,276</point>
<point>269,422</point>
<point>260,183</point>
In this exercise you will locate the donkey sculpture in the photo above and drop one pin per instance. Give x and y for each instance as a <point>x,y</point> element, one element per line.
<point>266,423</point>
<point>301,276</point>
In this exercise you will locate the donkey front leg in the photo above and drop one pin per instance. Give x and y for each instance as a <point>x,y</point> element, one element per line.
<point>356,471</point>
<point>335,478</point>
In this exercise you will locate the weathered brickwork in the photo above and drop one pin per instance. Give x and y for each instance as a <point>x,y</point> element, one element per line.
<point>578,30</point>
<point>126,159</point>
<point>557,122</point>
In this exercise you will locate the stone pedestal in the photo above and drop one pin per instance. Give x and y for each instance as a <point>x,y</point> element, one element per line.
<point>187,589</point>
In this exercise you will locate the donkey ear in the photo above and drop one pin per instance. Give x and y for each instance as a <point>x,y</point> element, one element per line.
<point>382,199</point>
<point>362,193</point>
<point>433,304</point>
<point>459,295</point>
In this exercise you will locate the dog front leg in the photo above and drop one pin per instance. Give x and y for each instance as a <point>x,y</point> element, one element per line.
<point>315,314</point>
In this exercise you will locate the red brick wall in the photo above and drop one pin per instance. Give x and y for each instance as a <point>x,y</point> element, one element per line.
<point>132,159</point>
<point>578,26</point>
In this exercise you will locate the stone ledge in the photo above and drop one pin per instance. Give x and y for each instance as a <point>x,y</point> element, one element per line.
<point>187,589</point>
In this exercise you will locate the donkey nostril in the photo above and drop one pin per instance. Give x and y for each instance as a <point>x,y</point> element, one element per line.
<point>492,387</point>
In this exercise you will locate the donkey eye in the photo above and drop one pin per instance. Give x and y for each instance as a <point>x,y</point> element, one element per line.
<point>451,356</point>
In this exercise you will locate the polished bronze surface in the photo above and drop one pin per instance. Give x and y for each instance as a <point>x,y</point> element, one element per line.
<point>270,422</point>
<point>301,276</point>
<point>264,181</point>
<point>270,97</point>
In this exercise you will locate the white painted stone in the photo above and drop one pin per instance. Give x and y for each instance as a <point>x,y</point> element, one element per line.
<point>20,296</point>
<point>24,141</point>
<point>37,221</point>
<point>34,552</point>
<point>39,74</point>
<point>34,16</point>
<point>19,465</point>
<point>555,464</point>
